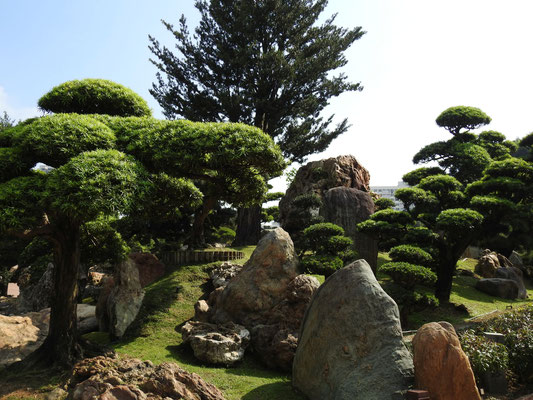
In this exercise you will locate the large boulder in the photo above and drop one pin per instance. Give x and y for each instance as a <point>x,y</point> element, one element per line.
<point>107,378</point>
<point>120,300</point>
<point>350,345</point>
<point>21,335</point>
<point>498,287</point>
<point>268,296</point>
<point>347,207</point>
<point>319,176</point>
<point>216,344</point>
<point>487,265</point>
<point>262,282</point>
<point>441,366</point>
<point>515,275</point>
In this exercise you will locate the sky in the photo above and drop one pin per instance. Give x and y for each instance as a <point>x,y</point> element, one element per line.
<point>417,58</point>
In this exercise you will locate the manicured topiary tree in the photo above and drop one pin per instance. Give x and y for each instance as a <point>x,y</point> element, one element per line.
<point>504,196</point>
<point>93,177</point>
<point>329,249</point>
<point>94,96</point>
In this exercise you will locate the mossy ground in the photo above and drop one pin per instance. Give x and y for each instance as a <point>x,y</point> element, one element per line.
<point>169,302</point>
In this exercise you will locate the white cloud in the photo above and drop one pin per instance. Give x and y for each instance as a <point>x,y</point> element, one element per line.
<point>17,113</point>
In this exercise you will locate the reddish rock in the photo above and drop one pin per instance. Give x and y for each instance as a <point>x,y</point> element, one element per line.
<point>441,366</point>
<point>150,268</point>
<point>105,378</point>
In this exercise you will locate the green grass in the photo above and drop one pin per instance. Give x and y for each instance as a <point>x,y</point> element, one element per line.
<point>477,303</point>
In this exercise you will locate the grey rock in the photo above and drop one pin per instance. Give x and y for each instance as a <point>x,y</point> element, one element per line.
<point>125,300</point>
<point>350,345</point>
<point>37,297</point>
<point>498,287</point>
<point>216,344</point>
<point>515,275</point>
<point>347,207</point>
<point>222,274</point>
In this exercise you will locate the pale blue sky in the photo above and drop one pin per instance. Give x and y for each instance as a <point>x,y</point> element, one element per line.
<point>418,58</point>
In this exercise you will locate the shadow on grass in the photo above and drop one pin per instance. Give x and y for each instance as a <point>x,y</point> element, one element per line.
<point>273,391</point>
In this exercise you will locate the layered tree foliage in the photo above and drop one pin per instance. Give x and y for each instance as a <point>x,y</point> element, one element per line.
<point>466,154</point>
<point>109,167</point>
<point>504,195</point>
<point>264,63</point>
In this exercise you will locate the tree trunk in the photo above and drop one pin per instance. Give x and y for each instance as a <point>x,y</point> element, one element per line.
<point>197,236</point>
<point>443,287</point>
<point>248,226</point>
<point>62,341</point>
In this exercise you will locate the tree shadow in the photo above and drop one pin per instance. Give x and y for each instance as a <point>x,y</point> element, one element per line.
<point>274,391</point>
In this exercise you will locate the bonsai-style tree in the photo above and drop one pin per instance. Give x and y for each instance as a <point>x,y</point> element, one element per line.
<point>329,249</point>
<point>504,196</point>
<point>266,63</point>
<point>92,176</point>
<point>466,154</point>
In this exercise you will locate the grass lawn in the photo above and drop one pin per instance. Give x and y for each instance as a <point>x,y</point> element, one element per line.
<point>169,302</point>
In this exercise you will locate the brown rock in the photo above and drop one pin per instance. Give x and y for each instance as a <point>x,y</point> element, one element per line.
<point>441,366</point>
<point>269,298</point>
<point>262,282</point>
<point>487,265</point>
<point>216,344</point>
<point>105,378</point>
<point>201,311</point>
<point>150,268</point>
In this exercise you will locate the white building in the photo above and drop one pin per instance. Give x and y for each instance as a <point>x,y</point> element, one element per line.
<point>388,192</point>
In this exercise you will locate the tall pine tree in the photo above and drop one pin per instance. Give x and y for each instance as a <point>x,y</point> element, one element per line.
<point>266,63</point>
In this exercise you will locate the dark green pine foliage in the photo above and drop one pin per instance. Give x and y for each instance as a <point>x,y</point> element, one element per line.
<point>265,63</point>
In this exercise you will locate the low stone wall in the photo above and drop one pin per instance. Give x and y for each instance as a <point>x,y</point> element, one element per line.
<point>192,257</point>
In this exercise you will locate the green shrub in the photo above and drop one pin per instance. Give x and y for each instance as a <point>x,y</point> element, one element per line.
<point>224,234</point>
<point>383,203</point>
<point>337,244</point>
<point>317,234</point>
<point>321,264</point>
<point>409,275</point>
<point>411,254</point>
<point>517,326</point>
<point>484,355</point>
<point>520,345</point>
<point>94,96</point>
<point>37,248</point>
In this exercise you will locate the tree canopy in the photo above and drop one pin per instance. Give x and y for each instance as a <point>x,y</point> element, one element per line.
<point>109,166</point>
<point>267,64</point>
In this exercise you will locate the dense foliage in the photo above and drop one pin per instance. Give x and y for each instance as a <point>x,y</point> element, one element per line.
<point>326,249</point>
<point>94,96</point>
<point>516,353</point>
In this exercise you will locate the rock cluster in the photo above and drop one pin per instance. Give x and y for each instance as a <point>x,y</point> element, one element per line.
<point>105,378</point>
<point>351,344</point>
<point>441,366</point>
<point>268,297</point>
<point>501,277</point>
